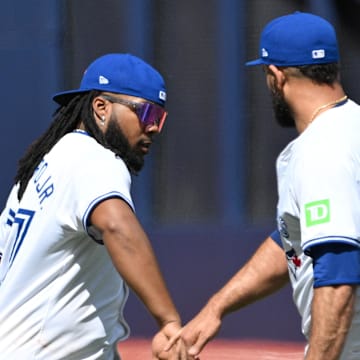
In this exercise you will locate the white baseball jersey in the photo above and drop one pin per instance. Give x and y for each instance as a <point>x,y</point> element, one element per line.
<point>60,295</point>
<point>319,202</point>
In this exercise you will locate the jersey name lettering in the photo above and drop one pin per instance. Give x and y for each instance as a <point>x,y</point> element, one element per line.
<point>43,184</point>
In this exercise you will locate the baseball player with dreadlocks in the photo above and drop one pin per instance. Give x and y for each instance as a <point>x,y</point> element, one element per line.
<point>69,238</point>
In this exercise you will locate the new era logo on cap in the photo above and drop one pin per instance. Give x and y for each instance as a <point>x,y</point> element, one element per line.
<point>264,53</point>
<point>103,80</point>
<point>318,54</point>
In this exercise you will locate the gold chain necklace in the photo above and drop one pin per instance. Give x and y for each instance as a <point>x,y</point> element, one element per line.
<point>332,103</point>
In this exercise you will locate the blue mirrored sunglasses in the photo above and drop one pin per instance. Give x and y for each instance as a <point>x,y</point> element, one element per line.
<point>148,113</point>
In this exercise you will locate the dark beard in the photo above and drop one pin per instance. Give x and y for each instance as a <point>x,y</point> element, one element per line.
<point>117,142</point>
<point>282,111</point>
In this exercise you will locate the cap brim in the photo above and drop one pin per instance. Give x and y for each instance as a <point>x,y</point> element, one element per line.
<point>255,62</point>
<point>64,97</point>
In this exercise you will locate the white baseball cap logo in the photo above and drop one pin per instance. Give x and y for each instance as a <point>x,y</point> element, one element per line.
<point>264,53</point>
<point>318,54</point>
<point>103,80</point>
<point>162,95</point>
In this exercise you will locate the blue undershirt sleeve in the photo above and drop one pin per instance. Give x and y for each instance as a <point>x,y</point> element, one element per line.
<point>335,264</point>
<point>275,235</point>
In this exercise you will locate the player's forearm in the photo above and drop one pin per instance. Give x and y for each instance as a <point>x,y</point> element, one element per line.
<point>332,312</point>
<point>136,262</point>
<point>265,273</point>
<point>151,289</point>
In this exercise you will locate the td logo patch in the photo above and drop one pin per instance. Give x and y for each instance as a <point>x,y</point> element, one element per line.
<point>317,212</point>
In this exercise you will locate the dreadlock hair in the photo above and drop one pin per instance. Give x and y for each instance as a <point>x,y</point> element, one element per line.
<point>65,119</point>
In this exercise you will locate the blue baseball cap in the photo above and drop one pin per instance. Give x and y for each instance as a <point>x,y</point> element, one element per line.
<point>122,74</point>
<point>297,39</point>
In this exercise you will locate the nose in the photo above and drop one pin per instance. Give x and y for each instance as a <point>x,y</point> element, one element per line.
<point>152,128</point>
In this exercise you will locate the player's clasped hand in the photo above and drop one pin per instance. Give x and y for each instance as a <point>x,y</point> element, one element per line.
<point>173,345</point>
<point>198,332</point>
<point>176,351</point>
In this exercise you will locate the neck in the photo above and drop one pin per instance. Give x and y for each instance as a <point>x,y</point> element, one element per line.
<point>327,106</point>
<point>310,100</point>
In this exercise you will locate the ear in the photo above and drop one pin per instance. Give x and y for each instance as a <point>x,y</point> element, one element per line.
<point>279,75</point>
<point>101,109</point>
<point>100,106</point>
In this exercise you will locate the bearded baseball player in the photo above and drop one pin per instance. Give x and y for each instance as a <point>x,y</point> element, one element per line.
<point>70,241</point>
<point>316,245</point>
